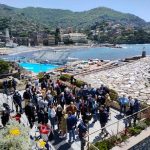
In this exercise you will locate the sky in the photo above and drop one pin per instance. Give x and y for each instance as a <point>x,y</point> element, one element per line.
<point>140,8</point>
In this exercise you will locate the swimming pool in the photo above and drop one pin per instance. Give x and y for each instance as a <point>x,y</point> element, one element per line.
<point>37,68</point>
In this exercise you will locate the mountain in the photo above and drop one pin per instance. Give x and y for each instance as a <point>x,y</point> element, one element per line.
<point>32,18</point>
<point>65,18</point>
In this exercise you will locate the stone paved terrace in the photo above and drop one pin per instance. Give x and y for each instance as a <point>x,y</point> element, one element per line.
<point>60,144</point>
<point>132,79</point>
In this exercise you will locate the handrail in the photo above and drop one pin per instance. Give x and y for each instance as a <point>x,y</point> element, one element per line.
<point>119,120</point>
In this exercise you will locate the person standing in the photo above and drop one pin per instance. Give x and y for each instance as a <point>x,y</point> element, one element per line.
<point>62,100</point>
<point>131,103</point>
<point>82,131</point>
<point>27,96</point>
<point>5,87</point>
<point>63,125</point>
<point>136,109</point>
<point>71,125</point>
<point>17,99</point>
<point>103,118</point>
<point>123,101</point>
<point>59,110</point>
<point>52,115</point>
<point>36,84</point>
<point>5,117</point>
<point>14,83</point>
<point>78,101</point>
<point>29,111</point>
<point>83,109</point>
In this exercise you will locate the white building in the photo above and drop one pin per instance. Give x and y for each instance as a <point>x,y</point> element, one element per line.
<point>74,37</point>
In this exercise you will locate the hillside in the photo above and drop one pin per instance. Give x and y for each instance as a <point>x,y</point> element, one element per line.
<point>31,18</point>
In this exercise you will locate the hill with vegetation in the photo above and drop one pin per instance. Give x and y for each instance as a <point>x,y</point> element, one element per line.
<point>33,19</point>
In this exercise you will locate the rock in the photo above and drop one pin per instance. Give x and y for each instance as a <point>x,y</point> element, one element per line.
<point>129,78</point>
<point>131,82</point>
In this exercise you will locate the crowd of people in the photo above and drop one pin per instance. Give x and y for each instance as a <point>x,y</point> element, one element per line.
<point>63,109</point>
<point>133,105</point>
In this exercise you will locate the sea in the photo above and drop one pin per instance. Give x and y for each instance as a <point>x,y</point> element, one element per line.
<point>102,53</point>
<point>106,53</point>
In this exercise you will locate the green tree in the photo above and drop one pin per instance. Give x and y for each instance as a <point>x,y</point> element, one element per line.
<point>57,36</point>
<point>4,66</point>
<point>4,23</point>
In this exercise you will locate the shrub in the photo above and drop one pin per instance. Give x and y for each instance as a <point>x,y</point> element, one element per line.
<point>141,125</point>
<point>79,83</point>
<point>65,77</point>
<point>134,131</point>
<point>113,139</point>
<point>147,121</point>
<point>102,145</point>
<point>115,105</point>
<point>113,95</point>
<point>105,144</point>
<point>4,66</point>
<point>40,77</point>
<point>124,137</point>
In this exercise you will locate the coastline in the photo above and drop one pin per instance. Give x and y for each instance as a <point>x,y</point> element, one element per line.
<point>24,49</point>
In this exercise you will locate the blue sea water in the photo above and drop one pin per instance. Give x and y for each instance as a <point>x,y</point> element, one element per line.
<point>36,67</point>
<point>103,53</point>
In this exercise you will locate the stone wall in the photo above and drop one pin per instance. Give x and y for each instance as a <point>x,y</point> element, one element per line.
<point>132,79</point>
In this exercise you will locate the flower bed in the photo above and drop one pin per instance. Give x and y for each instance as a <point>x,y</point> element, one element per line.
<point>116,140</point>
<point>15,136</point>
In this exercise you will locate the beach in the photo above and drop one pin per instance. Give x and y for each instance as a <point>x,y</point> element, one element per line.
<point>23,49</point>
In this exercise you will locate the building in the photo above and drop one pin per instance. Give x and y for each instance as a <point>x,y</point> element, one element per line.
<point>69,30</point>
<point>51,39</point>
<point>40,39</point>
<point>65,38</point>
<point>78,37</point>
<point>74,38</point>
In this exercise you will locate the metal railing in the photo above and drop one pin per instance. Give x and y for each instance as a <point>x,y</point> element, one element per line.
<point>118,127</point>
